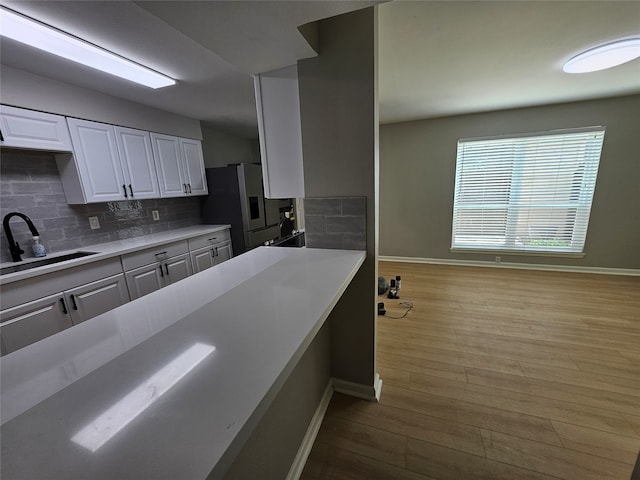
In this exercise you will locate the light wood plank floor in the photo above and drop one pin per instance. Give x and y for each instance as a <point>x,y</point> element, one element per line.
<point>495,374</point>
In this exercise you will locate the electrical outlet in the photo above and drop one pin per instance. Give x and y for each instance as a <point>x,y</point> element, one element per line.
<point>94,223</point>
<point>498,259</point>
<point>155,215</point>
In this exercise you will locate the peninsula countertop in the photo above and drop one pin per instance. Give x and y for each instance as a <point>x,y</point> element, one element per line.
<point>170,385</point>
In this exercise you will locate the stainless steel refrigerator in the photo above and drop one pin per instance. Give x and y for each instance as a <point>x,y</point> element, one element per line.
<point>236,197</point>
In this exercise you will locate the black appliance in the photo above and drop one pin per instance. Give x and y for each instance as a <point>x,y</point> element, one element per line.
<point>236,197</point>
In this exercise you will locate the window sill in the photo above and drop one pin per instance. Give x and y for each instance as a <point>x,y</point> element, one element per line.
<point>521,253</point>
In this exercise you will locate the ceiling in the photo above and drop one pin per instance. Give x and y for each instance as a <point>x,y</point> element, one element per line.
<point>454,57</point>
<point>436,58</point>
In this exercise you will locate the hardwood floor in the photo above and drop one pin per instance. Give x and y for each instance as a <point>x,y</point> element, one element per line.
<point>495,374</point>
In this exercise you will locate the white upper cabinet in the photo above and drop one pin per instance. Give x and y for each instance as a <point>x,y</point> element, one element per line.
<point>21,128</point>
<point>100,175</point>
<point>280,132</point>
<point>138,166</point>
<point>109,163</point>
<point>194,166</point>
<point>180,165</point>
<point>166,152</point>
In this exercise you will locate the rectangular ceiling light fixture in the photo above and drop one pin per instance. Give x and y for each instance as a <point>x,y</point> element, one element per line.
<point>31,32</point>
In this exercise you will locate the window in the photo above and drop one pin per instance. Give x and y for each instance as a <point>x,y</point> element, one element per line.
<point>529,193</point>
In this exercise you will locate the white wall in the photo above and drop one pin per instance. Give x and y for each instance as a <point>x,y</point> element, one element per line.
<point>26,90</point>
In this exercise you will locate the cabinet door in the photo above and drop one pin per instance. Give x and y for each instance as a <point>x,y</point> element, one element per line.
<point>91,300</point>
<point>33,321</point>
<point>194,172</point>
<point>23,128</point>
<point>134,147</point>
<point>223,252</point>
<point>143,280</point>
<point>178,268</point>
<point>202,259</point>
<point>280,132</point>
<point>167,157</point>
<point>98,161</point>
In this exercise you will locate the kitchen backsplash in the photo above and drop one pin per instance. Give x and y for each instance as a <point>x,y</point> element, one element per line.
<point>30,184</point>
<point>336,222</point>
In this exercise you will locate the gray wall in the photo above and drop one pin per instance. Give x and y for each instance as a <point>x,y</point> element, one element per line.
<point>338,103</point>
<point>271,448</point>
<point>417,171</point>
<point>23,89</point>
<point>221,148</point>
<point>30,184</point>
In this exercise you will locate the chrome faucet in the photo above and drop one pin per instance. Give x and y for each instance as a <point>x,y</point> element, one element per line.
<point>14,247</point>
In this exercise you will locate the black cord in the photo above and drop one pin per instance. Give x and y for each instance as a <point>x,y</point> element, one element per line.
<point>408,304</point>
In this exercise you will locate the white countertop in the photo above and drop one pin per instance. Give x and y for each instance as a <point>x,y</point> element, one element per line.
<point>108,250</point>
<point>259,311</point>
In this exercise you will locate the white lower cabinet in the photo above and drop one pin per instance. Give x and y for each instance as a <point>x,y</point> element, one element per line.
<point>223,252</point>
<point>33,321</point>
<point>209,250</point>
<point>61,305</point>
<point>151,269</point>
<point>144,280</point>
<point>202,259</point>
<point>39,307</point>
<point>91,300</point>
<point>177,268</point>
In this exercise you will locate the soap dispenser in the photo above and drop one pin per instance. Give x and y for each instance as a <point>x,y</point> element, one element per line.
<point>38,248</point>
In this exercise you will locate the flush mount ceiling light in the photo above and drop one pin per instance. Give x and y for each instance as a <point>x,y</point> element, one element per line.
<point>31,32</point>
<point>604,56</point>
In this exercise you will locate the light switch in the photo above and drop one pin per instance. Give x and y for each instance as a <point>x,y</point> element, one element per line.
<point>155,215</point>
<point>94,223</point>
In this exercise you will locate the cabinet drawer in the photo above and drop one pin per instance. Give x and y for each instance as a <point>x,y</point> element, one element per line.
<point>26,324</point>
<point>209,239</point>
<point>27,290</point>
<point>153,255</point>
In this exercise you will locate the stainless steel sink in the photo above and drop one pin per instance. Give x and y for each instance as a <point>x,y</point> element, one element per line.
<point>45,261</point>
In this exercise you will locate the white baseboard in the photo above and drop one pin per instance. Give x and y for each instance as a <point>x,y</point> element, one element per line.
<point>359,390</point>
<point>310,436</point>
<point>522,266</point>
<point>377,387</point>
<point>335,384</point>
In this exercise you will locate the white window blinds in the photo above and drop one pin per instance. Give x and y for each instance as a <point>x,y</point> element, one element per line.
<point>531,193</point>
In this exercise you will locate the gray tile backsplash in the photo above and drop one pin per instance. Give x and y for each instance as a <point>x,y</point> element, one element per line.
<point>336,222</point>
<point>30,184</point>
